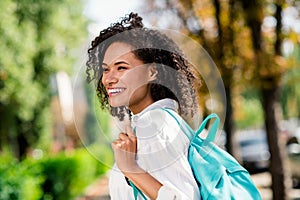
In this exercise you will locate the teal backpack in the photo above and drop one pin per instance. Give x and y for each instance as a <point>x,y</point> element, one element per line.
<point>217,173</point>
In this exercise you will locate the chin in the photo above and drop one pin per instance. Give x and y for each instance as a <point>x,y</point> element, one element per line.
<point>113,103</point>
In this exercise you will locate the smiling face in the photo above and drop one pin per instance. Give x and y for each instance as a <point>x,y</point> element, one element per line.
<point>126,78</point>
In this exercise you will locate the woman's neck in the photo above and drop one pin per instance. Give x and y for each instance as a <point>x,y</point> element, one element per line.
<point>137,108</point>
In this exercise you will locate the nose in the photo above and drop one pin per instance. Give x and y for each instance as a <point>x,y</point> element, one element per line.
<point>110,78</point>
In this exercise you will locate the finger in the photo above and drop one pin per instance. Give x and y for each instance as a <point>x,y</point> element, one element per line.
<point>118,143</point>
<point>114,144</point>
<point>123,136</point>
<point>129,131</point>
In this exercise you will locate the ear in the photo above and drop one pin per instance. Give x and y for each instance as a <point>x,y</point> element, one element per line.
<point>152,72</point>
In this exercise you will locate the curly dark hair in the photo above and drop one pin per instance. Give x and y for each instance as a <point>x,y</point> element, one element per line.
<point>150,46</point>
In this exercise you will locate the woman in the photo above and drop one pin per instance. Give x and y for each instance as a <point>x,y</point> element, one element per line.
<point>137,72</point>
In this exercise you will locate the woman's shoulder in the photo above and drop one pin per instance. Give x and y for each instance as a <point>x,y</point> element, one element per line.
<point>157,122</point>
<point>155,117</point>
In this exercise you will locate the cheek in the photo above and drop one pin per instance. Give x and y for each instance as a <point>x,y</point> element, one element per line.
<point>138,78</point>
<point>137,82</point>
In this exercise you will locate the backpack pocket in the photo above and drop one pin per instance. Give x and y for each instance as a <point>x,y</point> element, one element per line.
<point>230,185</point>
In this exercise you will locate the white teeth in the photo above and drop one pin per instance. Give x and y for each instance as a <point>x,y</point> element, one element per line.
<point>115,90</point>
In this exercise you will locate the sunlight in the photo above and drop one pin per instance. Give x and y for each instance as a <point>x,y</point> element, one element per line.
<point>103,13</point>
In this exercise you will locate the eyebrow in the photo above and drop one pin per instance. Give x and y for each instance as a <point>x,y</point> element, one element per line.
<point>116,63</point>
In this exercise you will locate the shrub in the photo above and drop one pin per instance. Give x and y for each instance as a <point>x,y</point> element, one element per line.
<point>19,180</point>
<point>66,175</point>
<point>61,177</point>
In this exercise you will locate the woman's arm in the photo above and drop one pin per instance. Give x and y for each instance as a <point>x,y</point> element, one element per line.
<point>145,182</point>
<point>125,152</point>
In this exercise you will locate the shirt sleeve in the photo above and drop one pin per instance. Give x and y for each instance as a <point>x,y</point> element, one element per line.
<point>162,152</point>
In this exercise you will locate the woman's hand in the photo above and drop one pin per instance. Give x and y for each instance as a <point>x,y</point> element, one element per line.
<point>125,151</point>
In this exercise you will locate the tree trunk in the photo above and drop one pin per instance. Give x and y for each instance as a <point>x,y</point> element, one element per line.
<point>278,166</point>
<point>226,74</point>
<point>228,125</point>
<point>22,147</point>
<point>269,91</point>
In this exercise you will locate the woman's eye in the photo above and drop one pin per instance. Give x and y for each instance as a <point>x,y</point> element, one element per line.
<point>122,68</point>
<point>105,69</point>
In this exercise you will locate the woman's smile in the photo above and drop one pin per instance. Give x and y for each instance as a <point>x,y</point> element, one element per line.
<point>115,91</point>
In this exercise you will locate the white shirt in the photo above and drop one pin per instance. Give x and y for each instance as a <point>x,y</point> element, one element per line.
<point>162,152</point>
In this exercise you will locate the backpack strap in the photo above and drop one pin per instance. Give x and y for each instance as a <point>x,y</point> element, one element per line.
<point>136,191</point>
<point>213,130</point>
<point>183,125</point>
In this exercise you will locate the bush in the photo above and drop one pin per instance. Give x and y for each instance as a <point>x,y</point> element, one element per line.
<point>58,172</point>
<point>60,177</point>
<point>66,175</point>
<point>19,180</point>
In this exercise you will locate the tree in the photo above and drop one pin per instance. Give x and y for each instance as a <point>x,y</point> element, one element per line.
<point>37,39</point>
<point>268,70</point>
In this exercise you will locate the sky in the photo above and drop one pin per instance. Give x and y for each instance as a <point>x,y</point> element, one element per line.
<point>105,12</point>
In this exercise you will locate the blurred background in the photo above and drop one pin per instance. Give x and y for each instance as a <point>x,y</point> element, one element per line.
<point>54,139</point>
